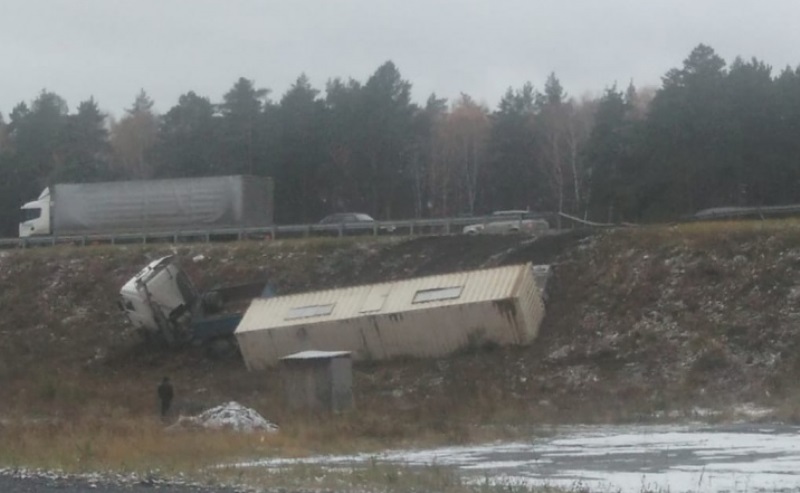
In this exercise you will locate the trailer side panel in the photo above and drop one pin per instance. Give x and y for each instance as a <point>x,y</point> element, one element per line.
<point>158,205</point>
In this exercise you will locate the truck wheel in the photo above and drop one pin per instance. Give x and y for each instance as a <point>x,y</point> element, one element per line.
<point>213,302</point>
<point>222,348</point>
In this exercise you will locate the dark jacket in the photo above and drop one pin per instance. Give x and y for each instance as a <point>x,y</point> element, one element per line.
<point>165,392</point>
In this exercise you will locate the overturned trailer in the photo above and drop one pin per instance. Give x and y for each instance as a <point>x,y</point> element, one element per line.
<point>422,317</point>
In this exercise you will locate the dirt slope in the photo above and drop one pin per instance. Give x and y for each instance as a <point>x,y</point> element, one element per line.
<point>638,321</point>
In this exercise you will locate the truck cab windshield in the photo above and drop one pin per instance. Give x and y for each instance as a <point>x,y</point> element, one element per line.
<point>30,214</point>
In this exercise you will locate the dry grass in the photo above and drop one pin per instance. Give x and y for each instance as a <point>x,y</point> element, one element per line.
<point>375,476</point>
<point>95,422</point>
<point>104,418</point>
<point>706,233</point>
<point>99,422</point>
<point>146,444</point>
<point>127,445</point>
<point>145,447</point>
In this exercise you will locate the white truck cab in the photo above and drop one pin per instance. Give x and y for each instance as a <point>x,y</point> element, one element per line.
<point>36,216</point>
<point>164,306</point>
<point>159,299</point>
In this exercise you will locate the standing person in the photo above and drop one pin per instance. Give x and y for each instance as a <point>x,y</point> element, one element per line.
<point>165,394</point>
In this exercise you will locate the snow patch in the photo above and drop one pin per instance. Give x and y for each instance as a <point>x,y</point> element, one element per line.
<point>750,410</point>
<point>745,412</point>
<point>625,459</point>
<point>231,416</point>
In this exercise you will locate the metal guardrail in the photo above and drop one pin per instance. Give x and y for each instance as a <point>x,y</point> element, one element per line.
<point>411,227</point>
<point>721,213</point>
<point>405,227</point>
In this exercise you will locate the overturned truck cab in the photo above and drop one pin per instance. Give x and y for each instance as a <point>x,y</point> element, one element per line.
<point>159,301</point>
<point>164,306</point>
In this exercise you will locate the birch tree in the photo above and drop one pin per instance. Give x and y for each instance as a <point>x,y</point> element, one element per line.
<point>466,139</point>
<point>132,138</point>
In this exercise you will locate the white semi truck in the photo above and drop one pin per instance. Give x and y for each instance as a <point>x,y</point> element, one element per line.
<point>148,206</point>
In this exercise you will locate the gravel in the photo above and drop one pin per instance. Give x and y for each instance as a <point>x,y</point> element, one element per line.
<point>16,481</point>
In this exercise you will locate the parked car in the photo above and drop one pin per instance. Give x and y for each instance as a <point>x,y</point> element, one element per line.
<point>512,221</point>
<point>360,220</point>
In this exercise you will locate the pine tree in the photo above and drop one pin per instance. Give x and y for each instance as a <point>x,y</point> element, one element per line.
<point>187,141</point>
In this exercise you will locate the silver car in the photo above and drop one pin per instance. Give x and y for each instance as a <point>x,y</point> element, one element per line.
<point>357,221</point>
<point>504,222</point>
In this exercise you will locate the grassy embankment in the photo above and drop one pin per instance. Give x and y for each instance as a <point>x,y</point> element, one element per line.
<point>79,394</point>
<point>78,391</point>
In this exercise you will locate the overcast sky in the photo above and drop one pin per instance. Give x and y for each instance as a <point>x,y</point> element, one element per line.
<point>110,49</point>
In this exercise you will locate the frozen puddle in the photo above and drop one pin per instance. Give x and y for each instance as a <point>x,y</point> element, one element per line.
<point>733,458</point>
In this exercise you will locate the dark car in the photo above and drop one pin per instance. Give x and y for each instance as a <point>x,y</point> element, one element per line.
<point>358,219</point>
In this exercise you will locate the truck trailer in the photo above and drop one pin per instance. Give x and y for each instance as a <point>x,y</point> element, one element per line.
<point>149,206</point>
